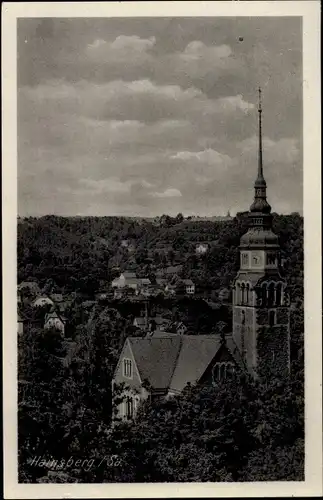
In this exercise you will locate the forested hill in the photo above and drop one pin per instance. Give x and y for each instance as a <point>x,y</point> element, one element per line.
<point>83,253</point>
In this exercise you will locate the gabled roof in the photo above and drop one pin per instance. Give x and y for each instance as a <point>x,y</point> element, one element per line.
<point>188,282</point>
<point>54,314</point>
<point>169,361</point>
<point>155,358</point>
<point>197,352</point>
<point>44,299</point>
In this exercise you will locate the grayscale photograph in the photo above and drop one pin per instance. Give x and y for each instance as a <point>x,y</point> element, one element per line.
<point>160,294</point>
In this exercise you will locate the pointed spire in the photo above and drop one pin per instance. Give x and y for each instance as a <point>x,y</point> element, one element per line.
<point>260,181</point>
<point>260,203</point>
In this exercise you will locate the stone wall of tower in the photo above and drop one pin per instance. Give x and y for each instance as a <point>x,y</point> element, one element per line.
<point>273,343</point>
<point>244,334</point>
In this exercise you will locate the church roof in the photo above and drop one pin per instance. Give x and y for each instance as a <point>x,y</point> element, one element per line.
<point>156,358</point>
<point>196,353</point>
<point>170,361</point>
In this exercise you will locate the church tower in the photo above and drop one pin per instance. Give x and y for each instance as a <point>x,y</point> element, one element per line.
<point>260,300</point>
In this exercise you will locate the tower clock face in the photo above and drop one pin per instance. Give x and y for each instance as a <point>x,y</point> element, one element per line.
<point>256,259</point>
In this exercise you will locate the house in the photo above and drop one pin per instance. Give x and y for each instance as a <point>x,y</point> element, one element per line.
<point>169,271</point>
<point>189,287</point>
<point>181,286</point>
<point>43,301</point>
<point>123,279</point>
<point>177,327</point>
<point>163,365</point>
<point>32,286</point>
<point>27,290</point>
<point>201,248</point>
<point>130,280</point>
<point>144,323</point>
<point>20,322</point>
<point>56,321</point>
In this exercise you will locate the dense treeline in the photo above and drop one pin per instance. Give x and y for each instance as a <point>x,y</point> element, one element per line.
<point>236,432</point>
<point>79,254</point>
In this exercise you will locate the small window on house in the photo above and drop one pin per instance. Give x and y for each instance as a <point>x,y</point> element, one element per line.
<point>129,407</point>
<point>216,372</point>
<point>229,373</point>
<point>127,368</point>
<point>272,318</point>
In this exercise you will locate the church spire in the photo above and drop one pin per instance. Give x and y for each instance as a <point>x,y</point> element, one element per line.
<point>260,203</point>
<point>260,179</point>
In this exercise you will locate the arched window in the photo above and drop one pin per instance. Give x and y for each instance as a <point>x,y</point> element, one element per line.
<point>279,294</point>
<point>229,370</point>
<point>247,293</point>
<point>272,318</point>
<point>271,295</point>
<point>239,294</point>
<point>243,293</point>
<point>129,407</point>
<point>264,294</point>
<point>216,372</point>
<point>222,371</point>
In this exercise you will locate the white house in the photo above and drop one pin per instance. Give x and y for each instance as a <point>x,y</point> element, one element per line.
<point>42,301</point>
<point>55,321</point>
<point>125,279</point>
<point>189,287</point>
<point>201,248</point>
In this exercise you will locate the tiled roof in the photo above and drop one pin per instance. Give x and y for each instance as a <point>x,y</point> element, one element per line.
<point>54,315</point>
<point>188,282</point>
<point>169,360</point>
<point>197,352</point>
<point>155,358</point>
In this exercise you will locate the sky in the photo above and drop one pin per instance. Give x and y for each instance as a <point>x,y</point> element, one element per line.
<point>146,116</point>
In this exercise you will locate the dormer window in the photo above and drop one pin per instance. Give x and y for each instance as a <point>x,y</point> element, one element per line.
<point>127,368</point>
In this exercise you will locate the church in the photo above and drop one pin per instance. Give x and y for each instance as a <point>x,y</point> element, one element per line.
<point>161,365</point>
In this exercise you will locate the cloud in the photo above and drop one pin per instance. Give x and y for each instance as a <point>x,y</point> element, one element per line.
<point>284,151</point>
<point>208,156</point>
<point>140,100</point>
<point>168,193</point>
<point>137,105</point>
<point>124,48</point>
<point>110,185</point>
<point>199,60</point>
